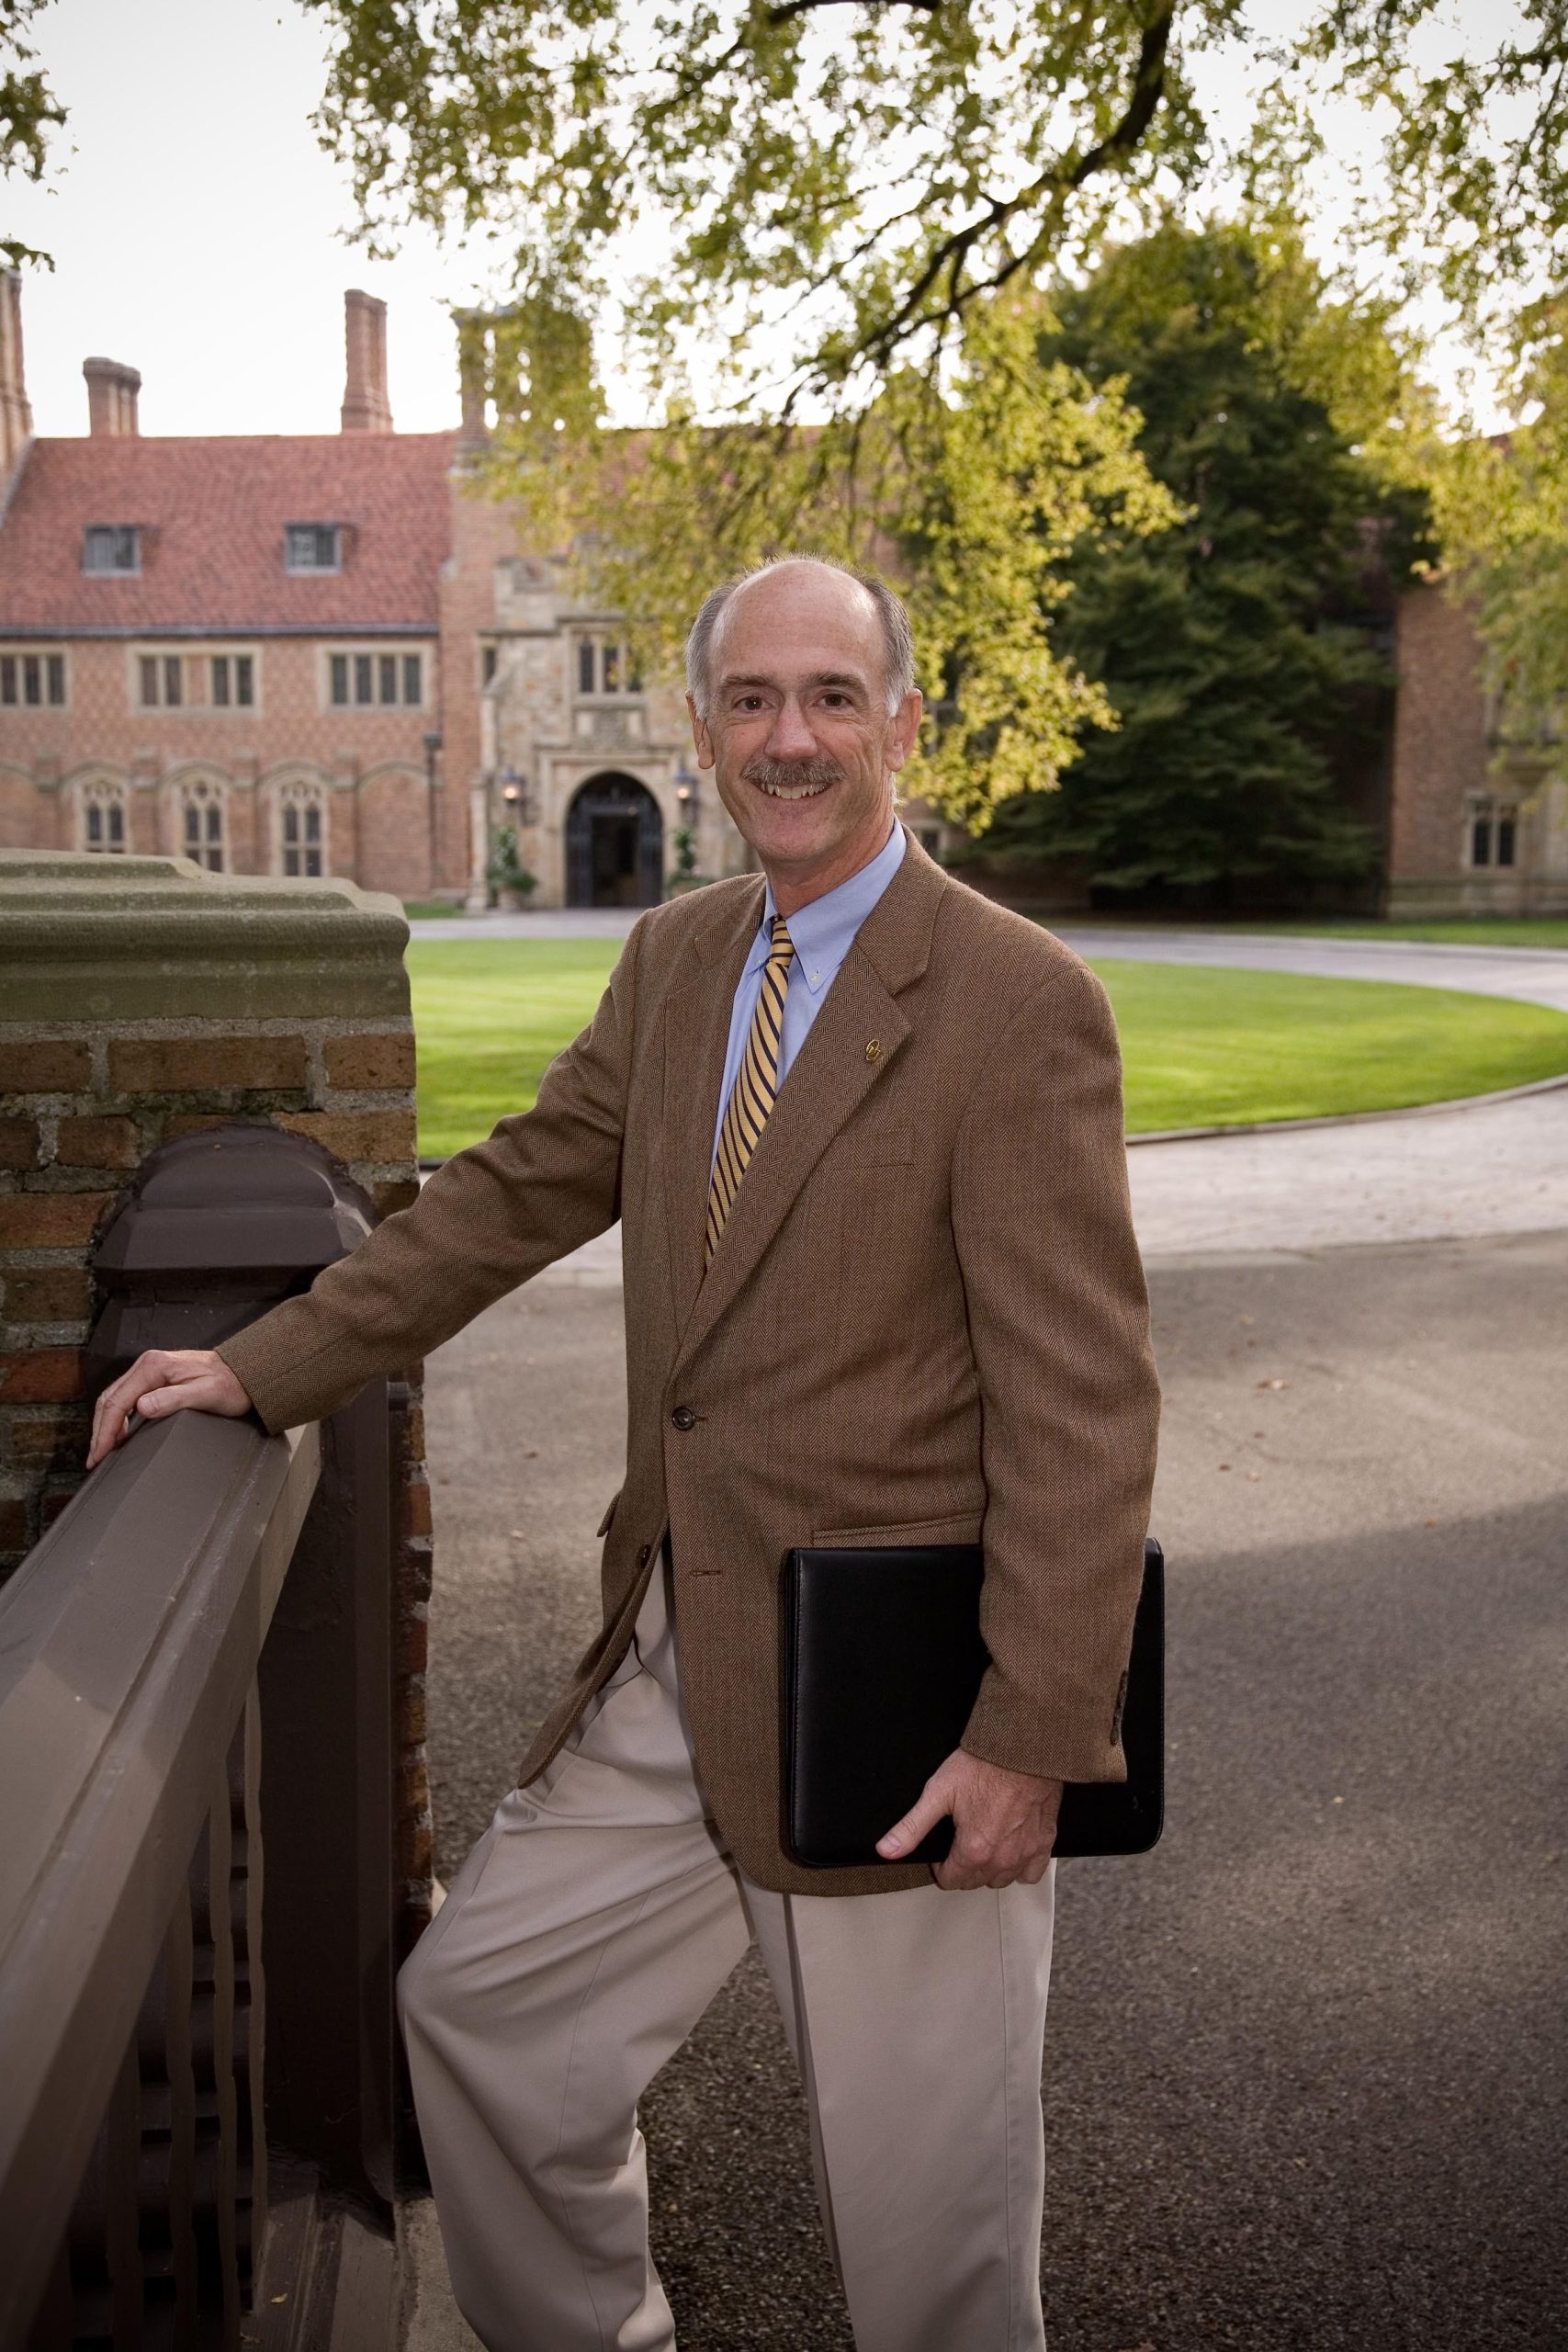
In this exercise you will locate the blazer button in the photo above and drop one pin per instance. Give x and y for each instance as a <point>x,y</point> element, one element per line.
<point>683,1418</point>
<point>644,1552</point>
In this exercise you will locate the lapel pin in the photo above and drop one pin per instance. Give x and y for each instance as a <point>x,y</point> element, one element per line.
<point>873,1051</point>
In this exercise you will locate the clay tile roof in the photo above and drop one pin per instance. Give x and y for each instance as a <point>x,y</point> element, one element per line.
<point>212,513</point>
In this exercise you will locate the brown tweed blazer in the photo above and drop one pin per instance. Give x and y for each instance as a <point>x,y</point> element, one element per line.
<point>925,1320</point>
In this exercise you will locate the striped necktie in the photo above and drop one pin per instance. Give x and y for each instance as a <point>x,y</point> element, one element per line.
<point>756,1085</point>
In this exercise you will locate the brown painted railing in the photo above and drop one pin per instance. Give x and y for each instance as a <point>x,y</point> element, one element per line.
<point>195,1659</point>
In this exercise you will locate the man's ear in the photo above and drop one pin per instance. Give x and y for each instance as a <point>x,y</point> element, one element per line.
<point>700,736</point>
<point>905,726</point>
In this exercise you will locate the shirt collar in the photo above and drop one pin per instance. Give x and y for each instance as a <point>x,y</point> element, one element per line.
<point>823,931</point>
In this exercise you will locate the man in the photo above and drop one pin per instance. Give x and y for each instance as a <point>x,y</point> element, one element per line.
<point>863,1131</point>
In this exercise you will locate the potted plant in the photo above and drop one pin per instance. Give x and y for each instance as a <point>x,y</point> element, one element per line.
<point>507,875</point>
<point>683,841</point>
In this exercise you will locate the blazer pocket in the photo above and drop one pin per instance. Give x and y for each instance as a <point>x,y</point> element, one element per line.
<point>882,1146</point>
<point>958,1527</point>
<point>604,1526</point>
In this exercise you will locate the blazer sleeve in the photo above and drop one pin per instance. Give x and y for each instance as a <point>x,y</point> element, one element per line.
<point>542,1183</point>
<point>1058,1317</point>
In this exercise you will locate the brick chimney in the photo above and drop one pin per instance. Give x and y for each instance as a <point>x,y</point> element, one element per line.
<point>16,415</point>
<point>111,398</point>
<point>474,331</point>
<point>366,408</point>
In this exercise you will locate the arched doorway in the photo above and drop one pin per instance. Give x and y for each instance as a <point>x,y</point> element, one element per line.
<point>614,844</point>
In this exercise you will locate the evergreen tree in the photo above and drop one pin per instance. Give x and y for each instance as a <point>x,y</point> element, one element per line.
<point>1231,647</point>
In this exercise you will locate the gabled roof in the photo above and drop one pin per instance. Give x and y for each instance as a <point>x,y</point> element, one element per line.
<point>212,512</point>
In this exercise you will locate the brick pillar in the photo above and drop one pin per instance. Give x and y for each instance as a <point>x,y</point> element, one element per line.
<point>142,999</point>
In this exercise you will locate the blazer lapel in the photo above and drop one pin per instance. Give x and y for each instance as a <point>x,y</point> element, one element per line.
<point>829,1079</point>
<point>696,1036</point>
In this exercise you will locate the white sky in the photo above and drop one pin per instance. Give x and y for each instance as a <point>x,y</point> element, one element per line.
<point>198,231</point>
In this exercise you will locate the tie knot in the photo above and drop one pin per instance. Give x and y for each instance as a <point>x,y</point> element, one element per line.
<point>782,947</point>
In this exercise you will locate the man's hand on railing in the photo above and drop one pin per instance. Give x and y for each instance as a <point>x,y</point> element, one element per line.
<point>164,1381</point>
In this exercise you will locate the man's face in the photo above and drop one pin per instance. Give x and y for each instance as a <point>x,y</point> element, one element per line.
<point>797,730</point>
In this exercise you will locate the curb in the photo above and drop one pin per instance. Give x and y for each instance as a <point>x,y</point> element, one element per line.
<point>1345,1119</point>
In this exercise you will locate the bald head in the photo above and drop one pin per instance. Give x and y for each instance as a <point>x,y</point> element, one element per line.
<point>802,581</point>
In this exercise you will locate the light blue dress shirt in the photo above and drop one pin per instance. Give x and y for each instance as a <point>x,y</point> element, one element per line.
<point>822,934</point>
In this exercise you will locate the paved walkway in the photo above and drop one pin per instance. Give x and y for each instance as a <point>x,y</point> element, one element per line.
<point>1538,975</point>
<point>1444,1175</point>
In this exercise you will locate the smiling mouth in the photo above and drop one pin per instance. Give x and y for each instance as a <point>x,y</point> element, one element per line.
<point>791,779</point>
<point>789,791</point>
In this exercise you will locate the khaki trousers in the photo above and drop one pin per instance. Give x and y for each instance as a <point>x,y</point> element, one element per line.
<point>579,1943</point>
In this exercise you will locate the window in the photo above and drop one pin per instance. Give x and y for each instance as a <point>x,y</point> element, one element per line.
<point>234,681</point>
<point>302,829</point>
<point>112,546</point>
<point>487,664</point>
<point>163,680</point>
<point>202,824</point>
<point>32,680</point>
<point>1506,827</point>
<point>604,666</point>
<point>312,546</point>
<point>1493,833</point>
<point>371,679</point>
<point>103,818</point>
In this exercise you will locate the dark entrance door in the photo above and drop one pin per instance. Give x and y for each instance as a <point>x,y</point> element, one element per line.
<point>614,845</point>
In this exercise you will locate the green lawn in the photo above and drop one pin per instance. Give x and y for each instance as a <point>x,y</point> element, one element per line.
<point>490,1014</point>
<point>1203,1048</point>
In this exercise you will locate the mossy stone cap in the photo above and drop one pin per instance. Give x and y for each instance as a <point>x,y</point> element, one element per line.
<point>86,937</point>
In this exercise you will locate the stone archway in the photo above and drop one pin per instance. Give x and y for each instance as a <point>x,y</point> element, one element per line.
<point>614,844</point>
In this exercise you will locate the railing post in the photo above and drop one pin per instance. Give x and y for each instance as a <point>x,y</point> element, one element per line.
<point>328,1774</point>
<point>216,1228</point>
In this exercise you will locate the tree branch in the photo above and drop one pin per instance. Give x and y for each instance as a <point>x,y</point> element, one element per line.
<point>788,9</point>
<point>1055,185</point>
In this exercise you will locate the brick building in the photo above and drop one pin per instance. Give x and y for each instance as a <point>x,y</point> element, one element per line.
<point>1477,819</point>
<point>316,655</point>
<point>330,655</point>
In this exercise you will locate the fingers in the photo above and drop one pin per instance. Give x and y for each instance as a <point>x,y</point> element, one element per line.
<point>118,1401</point>
<point>160,1382</point>
<point>976,1863</point>
<point>934,1805</point>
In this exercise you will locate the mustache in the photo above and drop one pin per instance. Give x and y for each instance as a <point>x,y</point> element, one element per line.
<point>779,774</point>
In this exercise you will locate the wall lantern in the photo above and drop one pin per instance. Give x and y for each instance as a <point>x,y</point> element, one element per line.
<point>519,799</point>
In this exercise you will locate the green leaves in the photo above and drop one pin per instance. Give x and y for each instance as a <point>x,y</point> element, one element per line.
<point>1503,509</point>
<point>1233,648</point>
<point>882,168</point>
<point>973,496</point>
<point>804,233</point>
<point>28,111</point>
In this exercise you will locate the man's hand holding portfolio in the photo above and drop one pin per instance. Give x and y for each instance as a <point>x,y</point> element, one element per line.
<point>1003,1823</point>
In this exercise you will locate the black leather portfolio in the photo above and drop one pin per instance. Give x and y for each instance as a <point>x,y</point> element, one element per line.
<point>882,1665</point>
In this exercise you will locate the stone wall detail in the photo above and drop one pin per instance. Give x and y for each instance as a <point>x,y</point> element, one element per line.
<point>142,999</point>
